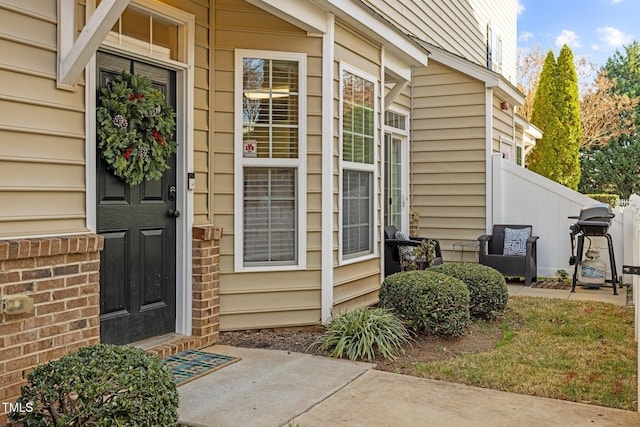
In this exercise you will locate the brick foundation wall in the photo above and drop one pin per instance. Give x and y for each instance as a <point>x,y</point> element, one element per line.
<point>62,276</point>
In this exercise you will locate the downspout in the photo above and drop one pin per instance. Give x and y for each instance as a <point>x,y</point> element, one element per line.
<point>328,43</point>
<point>488,163</point>
<point>383,154</point>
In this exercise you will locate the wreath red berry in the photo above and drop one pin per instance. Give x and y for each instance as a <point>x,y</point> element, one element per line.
<point>135,129</point>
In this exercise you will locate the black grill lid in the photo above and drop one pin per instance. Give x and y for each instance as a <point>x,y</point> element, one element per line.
<point>596,212</point>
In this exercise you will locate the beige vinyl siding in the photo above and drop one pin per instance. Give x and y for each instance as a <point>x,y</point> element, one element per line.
<point>279,298</point>
<point>358,283</point>
<point>42,174</point>
<point>447,159</point>
<point>457,26</point>
<point>503,126</point>
<point>42,129</point>
<point>201,115</point>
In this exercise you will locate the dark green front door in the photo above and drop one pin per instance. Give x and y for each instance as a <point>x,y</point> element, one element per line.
<point>138,263</point>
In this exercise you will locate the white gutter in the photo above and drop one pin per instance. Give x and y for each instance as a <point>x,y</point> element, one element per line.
<point>328,60</point>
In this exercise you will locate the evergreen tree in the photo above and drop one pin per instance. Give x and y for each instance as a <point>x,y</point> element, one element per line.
<point>545,118</point>
<point>615,167</point>
<point>568,108</point>
<point>556,111</point>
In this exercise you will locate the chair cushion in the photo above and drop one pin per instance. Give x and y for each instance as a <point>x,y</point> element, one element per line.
<point>406,252</point>
<point>515,240</point>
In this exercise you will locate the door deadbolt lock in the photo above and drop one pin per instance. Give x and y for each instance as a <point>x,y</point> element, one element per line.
<point>172,192</point>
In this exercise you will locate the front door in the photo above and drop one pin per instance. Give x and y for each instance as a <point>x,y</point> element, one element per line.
<point>138,263</point>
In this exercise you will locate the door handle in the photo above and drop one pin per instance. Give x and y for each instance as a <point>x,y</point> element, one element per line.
<point>174,213</point>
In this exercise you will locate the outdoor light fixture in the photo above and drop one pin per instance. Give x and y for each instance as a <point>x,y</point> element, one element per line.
<point>16,304</point>
<point>504,105</point>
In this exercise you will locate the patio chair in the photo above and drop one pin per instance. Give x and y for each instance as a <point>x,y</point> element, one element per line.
<point>397,249</point>
<point>511,250</point>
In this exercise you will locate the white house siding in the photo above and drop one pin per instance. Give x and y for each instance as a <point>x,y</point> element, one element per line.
<point>358,283</point>
<point>263,299</point>
<point>458,26</point>
<point>448,156</point>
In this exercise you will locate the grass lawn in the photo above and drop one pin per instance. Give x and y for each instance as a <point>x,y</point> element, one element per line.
<point>581,351</point>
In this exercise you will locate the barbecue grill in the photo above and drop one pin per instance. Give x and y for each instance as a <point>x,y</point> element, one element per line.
<point>593,221</point>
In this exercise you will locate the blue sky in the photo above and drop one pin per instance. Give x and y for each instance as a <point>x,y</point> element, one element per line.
<point>593,29</point>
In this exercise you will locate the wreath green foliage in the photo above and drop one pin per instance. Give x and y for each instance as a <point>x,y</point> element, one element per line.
<point>136,127</point>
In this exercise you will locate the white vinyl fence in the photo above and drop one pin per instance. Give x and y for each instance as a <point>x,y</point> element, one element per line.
<point>524,197</point>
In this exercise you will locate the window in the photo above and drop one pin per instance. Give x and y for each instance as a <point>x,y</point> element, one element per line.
<point>358,94</point>
<point>396,170</point>
<point>270,176</point>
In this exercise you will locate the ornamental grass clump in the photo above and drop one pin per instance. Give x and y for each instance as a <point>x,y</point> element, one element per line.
<point>100,385</point>
<point>360,333</point>
<point>487,287</point>
<point>429,302</point>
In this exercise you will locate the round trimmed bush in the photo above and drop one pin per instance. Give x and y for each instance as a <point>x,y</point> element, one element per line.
<point>100,385</point>
<point>487,287</point>
<point>428,301</point>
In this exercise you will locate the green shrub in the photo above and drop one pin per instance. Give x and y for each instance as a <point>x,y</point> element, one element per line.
<point>612,200</point>
<point>487,287</point>
<point>101,385</point>
<point>428,301</point>
<point>360,332</point>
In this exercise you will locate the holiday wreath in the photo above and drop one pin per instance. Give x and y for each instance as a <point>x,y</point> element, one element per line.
<point>135,129</point>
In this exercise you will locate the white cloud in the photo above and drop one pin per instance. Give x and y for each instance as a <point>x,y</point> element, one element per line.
<point>614,37</point>
<point>616,1</point>
<point>520,7</point>
<point>525,36</point>
<point>595,46</point>
<point>569,38</point>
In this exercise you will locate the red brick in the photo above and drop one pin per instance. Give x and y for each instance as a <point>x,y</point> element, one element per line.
<point>19,288</point>
<point>9,353</point>
<point>90,266</point>
<point>40,297</point>
<point>10,277</point>
<point>20,338</point>
<point>36,274</point>
<point>50,260</point>
<point>4,250</point>
<point>52,330</point>
<point>20,264</point>
<point>21,363</point>
<point>76,258</point>
<point>78,324</point>
<point>37,346</point>
<point>77,280</point>
<point>68,338</point>
<point>49,284</point>
<point>67,315</point>
<point>65,293</point>
<point>49,355</point>
<point>53,307</point>
<point>77,302</point>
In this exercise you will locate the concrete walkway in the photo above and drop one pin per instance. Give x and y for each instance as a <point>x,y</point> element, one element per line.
<point>275,388</point>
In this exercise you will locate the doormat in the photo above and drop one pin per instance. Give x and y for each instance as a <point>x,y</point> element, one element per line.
<point>551,284</point>
<point>191,364</point>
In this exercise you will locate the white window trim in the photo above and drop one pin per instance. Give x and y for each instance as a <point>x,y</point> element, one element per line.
<point>300,163</point>
<point>404,133</point>
<point>365,167</point>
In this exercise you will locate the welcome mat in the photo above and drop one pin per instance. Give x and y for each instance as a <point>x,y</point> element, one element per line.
<point>551,284</point>
<point>191,364</point>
